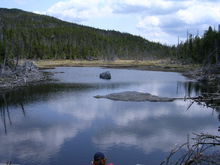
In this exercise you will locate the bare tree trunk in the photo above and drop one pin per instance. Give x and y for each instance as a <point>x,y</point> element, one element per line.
<point>217,52</point>
<point>3,40</point>
<point>5,60</point>
<point>17,53</point>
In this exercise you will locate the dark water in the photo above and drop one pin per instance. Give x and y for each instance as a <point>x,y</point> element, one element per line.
<point>62,123</point>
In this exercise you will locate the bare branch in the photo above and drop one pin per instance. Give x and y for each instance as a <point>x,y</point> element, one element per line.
<point>197,152</point>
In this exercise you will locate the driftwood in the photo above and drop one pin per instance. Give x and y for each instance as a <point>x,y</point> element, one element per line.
<point>202,150</point>
<point>207,101</point>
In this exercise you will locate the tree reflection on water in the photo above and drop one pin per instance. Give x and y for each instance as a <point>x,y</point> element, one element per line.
<point>203,89</point>
<point>191,88</point>
<point>5,111</point>
<point>54,122</point>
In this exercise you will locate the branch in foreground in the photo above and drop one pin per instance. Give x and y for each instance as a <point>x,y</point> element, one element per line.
<point>203,150</point>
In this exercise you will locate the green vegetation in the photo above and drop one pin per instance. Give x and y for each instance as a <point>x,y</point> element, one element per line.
<point>31,36</point>
<point>205,49</point>
<point>25,35</point>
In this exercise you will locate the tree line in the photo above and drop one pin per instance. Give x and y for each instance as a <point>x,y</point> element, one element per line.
<point>203,50</point>
<point>31,36</point>
<point>25,35</point>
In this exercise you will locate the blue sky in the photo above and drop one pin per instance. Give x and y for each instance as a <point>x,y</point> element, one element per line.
<point>155,20</point>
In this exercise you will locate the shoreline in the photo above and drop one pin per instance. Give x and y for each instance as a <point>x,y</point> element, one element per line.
<point>11,82</point>
<point>152,65</point>
<point>24,75</point>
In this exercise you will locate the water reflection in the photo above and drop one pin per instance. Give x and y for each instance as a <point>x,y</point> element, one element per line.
<point>191,88</point>
<point>63,123</point>
<point>205,90</point>
<point>5,112</point>
<point>153,127</point>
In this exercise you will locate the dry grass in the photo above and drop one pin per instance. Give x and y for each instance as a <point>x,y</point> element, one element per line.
<point>52,63</point>
<point>164,65</point>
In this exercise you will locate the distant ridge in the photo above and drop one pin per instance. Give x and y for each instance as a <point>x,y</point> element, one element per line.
<point>34,36</point>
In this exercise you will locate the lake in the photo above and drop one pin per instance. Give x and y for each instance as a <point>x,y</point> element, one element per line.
<point>61,123</point>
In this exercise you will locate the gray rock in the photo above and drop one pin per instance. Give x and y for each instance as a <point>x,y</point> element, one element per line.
<point>22,75</point>
<point>135,96</point>
<point>105,75</point>
<point>29,66</point>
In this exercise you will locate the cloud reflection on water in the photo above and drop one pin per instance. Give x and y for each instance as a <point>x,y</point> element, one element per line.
<point>66,113</point>
<point>154,127</point>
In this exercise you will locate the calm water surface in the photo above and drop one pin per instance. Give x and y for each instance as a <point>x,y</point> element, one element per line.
<point>62,123</point>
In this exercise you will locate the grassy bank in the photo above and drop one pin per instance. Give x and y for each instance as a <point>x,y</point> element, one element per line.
<point>160,65</point>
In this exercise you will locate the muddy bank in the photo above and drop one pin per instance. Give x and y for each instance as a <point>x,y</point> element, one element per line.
<point>203,74</point>
<point>135,96</point>
<point>23,75</point>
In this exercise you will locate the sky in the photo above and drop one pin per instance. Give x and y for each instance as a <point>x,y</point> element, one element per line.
<point>156,20</point>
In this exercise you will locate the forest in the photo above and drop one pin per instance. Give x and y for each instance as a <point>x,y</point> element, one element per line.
<point>27,35</point>
<point>203,49</point>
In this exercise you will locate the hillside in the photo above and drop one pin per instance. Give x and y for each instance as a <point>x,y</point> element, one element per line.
<point>32,36</point>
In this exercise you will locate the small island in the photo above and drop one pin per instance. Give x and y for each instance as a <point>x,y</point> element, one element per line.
<point>135,96</point>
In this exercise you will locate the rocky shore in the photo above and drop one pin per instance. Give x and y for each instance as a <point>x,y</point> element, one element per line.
<point>22,75</point>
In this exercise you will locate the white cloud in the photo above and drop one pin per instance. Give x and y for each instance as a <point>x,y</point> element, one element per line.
<point>150,29</point>
<point>152,21</point>
<point>161,20</point>
<point>200,13</point>
<point>166,27</point>
<point>79,10</point>
<point>164,4</point>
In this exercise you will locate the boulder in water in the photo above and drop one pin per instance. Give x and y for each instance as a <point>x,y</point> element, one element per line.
<point>105,75</point>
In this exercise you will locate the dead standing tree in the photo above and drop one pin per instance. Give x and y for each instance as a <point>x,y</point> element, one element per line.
<point>1,45</point>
